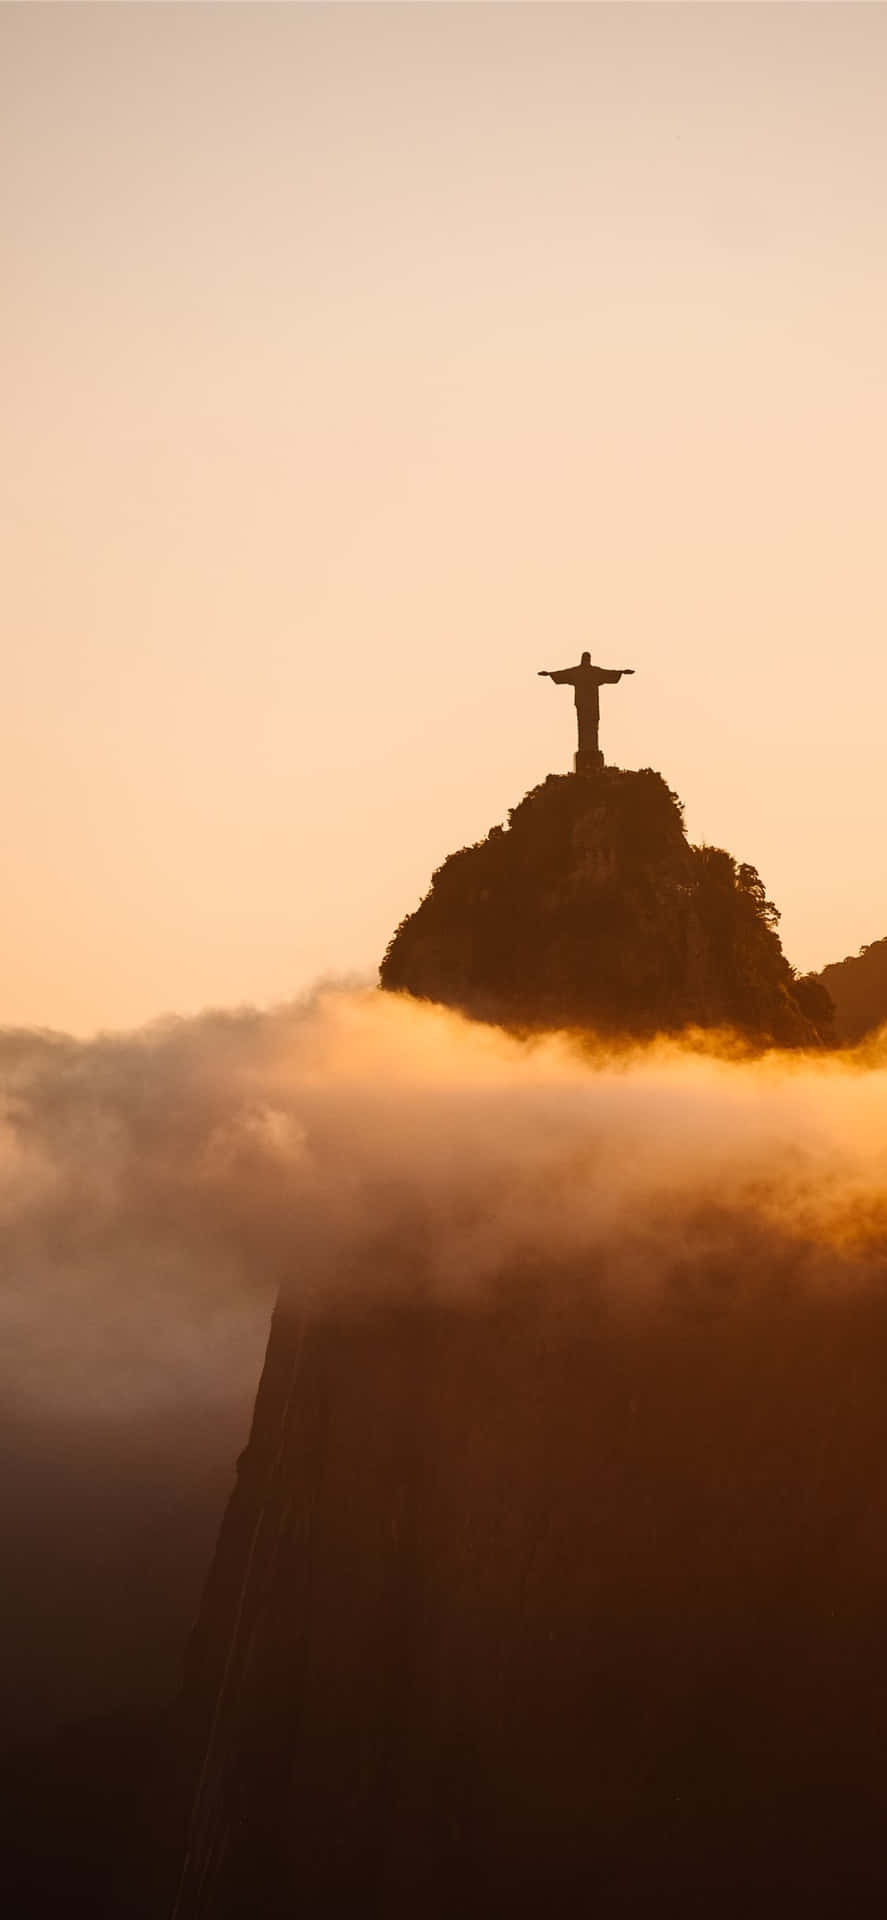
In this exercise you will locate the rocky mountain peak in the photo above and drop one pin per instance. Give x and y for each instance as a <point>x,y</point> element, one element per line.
<point>591,910</point>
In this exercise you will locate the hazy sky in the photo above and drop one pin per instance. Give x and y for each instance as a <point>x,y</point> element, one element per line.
<point>361,360</point>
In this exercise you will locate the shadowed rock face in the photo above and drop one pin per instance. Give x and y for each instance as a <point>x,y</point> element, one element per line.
<point>535,1604</point>
<point>591,910</point>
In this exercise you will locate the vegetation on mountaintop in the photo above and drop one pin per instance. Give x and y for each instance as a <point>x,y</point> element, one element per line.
<point>592,911</point>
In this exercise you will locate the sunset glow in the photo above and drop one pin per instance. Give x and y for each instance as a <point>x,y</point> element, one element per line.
<point>361,361</point>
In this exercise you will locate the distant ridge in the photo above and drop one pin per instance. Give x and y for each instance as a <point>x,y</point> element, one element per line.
<point>858,988</point>
<point>592,911</point>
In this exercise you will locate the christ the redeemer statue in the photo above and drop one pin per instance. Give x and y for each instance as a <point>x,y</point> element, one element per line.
<point>585,681</point>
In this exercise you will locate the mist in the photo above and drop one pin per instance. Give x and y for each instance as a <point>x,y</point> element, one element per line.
<point>159,1189</point>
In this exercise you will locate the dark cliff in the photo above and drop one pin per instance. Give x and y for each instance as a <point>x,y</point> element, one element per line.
<point>525,1607</point>
<point>518,1602</point>
<point>591,910</point>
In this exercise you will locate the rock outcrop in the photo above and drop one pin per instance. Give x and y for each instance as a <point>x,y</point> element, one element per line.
<point>591,910</point>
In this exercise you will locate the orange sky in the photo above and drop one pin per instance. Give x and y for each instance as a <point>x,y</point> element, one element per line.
<point>361,360</point>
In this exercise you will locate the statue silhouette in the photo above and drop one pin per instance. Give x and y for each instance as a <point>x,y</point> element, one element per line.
<point>585,681</point>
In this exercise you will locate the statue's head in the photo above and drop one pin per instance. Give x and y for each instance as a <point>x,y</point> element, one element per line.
<point>586,660</point>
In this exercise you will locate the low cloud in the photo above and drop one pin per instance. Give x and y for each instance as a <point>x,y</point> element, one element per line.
<point>157,1189</point>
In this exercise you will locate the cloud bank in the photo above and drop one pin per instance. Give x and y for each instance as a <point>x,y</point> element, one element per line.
<point>157,1188</point>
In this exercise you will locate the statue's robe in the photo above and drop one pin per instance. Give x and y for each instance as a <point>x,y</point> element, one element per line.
<point>585,682</point>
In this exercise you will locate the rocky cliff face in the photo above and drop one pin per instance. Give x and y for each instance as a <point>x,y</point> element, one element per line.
<point>592,911</point>
<point>529,1608</point>
<point>516,1602</point>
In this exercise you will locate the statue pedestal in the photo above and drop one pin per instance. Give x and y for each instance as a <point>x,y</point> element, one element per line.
<point>588,760</point>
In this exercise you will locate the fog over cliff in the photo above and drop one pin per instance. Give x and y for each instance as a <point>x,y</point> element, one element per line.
<point>157,1188</point>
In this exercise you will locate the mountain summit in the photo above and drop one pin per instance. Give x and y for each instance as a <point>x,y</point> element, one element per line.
<point>591,910</point>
